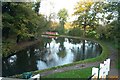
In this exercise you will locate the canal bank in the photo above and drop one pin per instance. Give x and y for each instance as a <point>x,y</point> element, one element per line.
<point>81,64</point>
<point>21,46</point>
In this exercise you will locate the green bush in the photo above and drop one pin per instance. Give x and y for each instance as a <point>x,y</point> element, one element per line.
<point>91,33</point>
<point>6,48</point>
<point>75,32</point>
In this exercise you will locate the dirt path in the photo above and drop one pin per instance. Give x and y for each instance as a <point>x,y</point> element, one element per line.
<point>113,71</point>
<point>114,57</point>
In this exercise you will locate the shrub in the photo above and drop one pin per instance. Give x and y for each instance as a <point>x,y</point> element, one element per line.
<point>75,32</point>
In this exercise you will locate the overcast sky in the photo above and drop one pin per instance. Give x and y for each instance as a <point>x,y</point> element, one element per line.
<point>53,6</point>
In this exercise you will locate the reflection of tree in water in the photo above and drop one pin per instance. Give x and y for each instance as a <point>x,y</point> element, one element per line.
<point>22,59</point>
<point>62,54</point>
<point>61,41</point>
<point>83,50</point>
<point>5,68</point>
<point>32,59</point>
<point>77,55</point>
<point>26,60</point>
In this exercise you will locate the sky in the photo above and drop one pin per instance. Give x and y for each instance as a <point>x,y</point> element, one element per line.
<point>53,6</point>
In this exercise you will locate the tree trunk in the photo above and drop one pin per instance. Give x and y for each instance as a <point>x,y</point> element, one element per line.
<point>83,50</point>
<point>84,27</point>
<point>84,31</point>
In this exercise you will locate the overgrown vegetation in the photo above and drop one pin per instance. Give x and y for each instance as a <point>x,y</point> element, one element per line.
<point>21,22</point>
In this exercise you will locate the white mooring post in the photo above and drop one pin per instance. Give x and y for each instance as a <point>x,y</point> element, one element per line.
<point>0,78</point>
<point>106,67</point>
<point>36,77</point>
<point>95,73</point>
<point>101,72</point>
<point>108,64</point>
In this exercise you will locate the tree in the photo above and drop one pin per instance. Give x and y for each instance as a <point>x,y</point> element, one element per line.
<point>62,15</point>
<point>114,15</point>
<point>82,10</point>
<point>94,14</point>
<point>36,7</point>
<point>85,17</point>
<point>20,23</point>
<point>109,16</point>
<point>20,19</point>
<point>113,28</point>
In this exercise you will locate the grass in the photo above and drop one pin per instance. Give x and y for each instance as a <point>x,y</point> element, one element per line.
<point>80,73</point>
<point>118,61</point>
<point>118,64</point>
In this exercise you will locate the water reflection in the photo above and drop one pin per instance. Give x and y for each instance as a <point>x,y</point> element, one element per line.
<point>52,52</point>
<point>72,51</point>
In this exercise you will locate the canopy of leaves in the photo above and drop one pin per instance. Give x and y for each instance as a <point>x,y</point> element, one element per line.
<point>21,19</point>
<point>62,15</point>
<point>98,14</point>
<point>85,14</point>
<point>21,22</point>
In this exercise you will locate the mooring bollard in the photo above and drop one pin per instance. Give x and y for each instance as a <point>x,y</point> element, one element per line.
<point>102,71</point>
<point>36,77</point>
